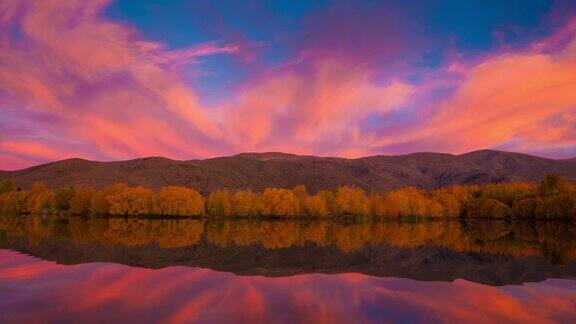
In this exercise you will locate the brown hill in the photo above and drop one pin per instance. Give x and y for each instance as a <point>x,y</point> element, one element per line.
<point>259,170</point>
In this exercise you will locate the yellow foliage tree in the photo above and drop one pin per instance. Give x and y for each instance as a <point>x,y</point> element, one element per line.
<point>377,207</point>
<point>407,202</point>
<point>301,193</point>
<point>352,201</point>
<point>63,197</point>
<point>39,198</point>
<point>178,201</point>
<point>315,206</point>
<point>246,203</point>
<point>13,203</point>
<point>219,203</point>
<point>279,202</point>
<point>100,203</point>
<point>6,186</point>
<point>82,199</point>
<point>132,201</point>
<point>330,201</point>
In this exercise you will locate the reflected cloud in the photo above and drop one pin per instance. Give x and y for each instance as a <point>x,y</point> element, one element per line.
<point>104,292</point>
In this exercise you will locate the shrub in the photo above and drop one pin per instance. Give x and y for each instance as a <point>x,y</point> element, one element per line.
<point>559,206</point>
<point>487,208</point>
<point>524,208</point>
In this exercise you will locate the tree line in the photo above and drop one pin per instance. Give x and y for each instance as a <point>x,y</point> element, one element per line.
<point>553,198</point>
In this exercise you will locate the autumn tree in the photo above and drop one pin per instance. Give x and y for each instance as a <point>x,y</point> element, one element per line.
<point>82,200</point>
<point>6,186</point>
<point>487,208</point>
<point>377,206</point>
<point>219,203</point>
<point>330,200</point>
<point>279,202</point>
<point>448,203</point>
<point>301,193</point>
<point>245,203</point>
<point>553,184</point>
<point>39,198</point>
<point>178,201</point>
<point>132,201</point>
<point>406,202</point>
<point>506,193</point>
<point>100,203</point>
<point>63,197</point>
<point>13,203</point>
<point>315,206</point>
<point>352,201</point>
<point>524,207</point>
<point>556,207</point>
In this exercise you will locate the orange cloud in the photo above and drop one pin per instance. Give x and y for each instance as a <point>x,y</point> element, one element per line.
<point>106,87</point>
<point>527,97</point>
<point>176,294</point>
<point>80,84</point>
<point>301,110</point>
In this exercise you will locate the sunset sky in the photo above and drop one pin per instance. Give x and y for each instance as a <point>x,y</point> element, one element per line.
<point>113,80</point>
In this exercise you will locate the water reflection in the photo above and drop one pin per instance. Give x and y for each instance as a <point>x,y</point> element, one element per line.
<point>488,252</point>
<point>35,290</point>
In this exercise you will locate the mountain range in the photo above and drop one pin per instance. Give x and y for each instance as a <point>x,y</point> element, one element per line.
<point>260,170</point>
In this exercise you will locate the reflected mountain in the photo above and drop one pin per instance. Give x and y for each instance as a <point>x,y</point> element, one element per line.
<point>488,252</point>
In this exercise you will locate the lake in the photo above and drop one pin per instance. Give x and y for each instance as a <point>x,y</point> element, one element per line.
<point>196,270</point>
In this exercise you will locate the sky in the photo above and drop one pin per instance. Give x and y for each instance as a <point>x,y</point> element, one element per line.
<point>115,80</point>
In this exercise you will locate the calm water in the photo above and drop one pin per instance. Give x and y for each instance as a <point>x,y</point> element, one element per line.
<point>136,270</point>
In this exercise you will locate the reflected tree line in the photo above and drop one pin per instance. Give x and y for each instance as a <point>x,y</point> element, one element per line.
<point>553,198</point>
<point>553,239</point>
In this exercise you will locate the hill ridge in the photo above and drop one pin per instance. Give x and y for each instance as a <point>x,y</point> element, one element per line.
<point>256,171</point>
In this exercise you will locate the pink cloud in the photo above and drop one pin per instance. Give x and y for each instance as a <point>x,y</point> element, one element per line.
<point>107,87</point>
<point>175,294</point>
<point>295,109</point>
<point>527,97</point>
<point>81,85</point>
